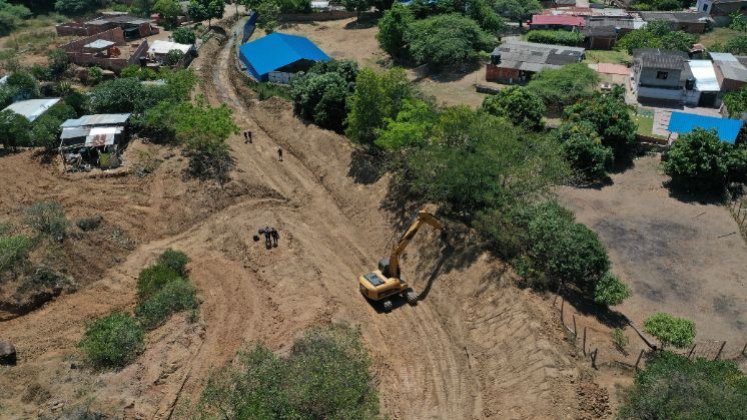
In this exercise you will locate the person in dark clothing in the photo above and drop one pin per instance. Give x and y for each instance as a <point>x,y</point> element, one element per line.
<point>275,236</point>
<point>280,154</point>
<point>268,236</point>
<point>249,136</point>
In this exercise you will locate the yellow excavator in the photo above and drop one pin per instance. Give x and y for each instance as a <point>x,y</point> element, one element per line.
<point>379,285</point>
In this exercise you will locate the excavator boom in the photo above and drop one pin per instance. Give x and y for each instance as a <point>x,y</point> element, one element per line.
<point>422,217</point>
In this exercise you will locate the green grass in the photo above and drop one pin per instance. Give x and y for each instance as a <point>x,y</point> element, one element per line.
<point>608,56</point>
<point>645,125</point>
<point>718,36</point>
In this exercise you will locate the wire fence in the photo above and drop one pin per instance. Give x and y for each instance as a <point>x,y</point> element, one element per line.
<point>738,210</point>
<point>629,347</point>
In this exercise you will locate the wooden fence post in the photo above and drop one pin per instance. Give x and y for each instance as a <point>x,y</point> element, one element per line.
<point>690,353</point>
<point>575,330</point>
<point>562,304</point>
<point>639,359</point>
<point>720,350</point>
<point>594,358</point>
<point>744,349</point>
<point>584,341</point>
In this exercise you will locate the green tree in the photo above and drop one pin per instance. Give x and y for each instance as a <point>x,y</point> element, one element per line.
<point>77,7</point>
<point>22,85</point>
<point>675,387</point>
<point>485,16</point>
<point>446,40</point>
<point>14,130</point>
<point>611,117</point>
<point>170,11</point>
<point>46,129</point>
<point>184,35</point>
<point>583,149</point>
<point>95,76</point>
<point>412,127</point>
<point>269,13</point>
<point>113,341</point>
<point>377,96</point>
<point>698,161</point>
<point>518,11</point>
<point>670,330</point>
<point>519,105</point>
<point>564,86</point>
<point>656,34</point>
<point>143,7</point>
<point>200,10</point>
<point>737,45</point>
<point>610,291</point>
<point>565,251</point>
<point>11,16</point>
<point>321,94</point>
<point>556,37</point>
<point>392,29</point>
<point>359,6</point>
<point>173,57</point>
<point>116,96</point>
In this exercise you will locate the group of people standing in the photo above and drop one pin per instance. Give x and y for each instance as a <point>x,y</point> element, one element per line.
<point>248,140</point>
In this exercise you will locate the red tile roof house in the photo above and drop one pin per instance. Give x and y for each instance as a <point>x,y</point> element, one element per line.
<point>568,23</point>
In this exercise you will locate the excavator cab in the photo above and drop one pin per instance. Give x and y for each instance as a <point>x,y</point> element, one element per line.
<point>385,282</point>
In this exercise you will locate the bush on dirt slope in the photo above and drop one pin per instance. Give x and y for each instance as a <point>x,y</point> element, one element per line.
<point>153,279</point>
<point>326,376</point>
<point>175,260</point>
<point>610,290</point>
<point>47,219</point>
<point>175,296</point>
<point>113,341</point>
<point>670,330</point>
<point>13,249</point>
<point>674,387</point>
<point>14,130</point>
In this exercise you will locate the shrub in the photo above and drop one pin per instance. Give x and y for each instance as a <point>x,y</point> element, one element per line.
<point>43,278</point>
<point>89,223</point>
<point>173,57</point>
<point>610,290</point>
<point>95,76</point>
<point>612,120</point>
<point>59,62</point>
<point>670,330</point>
<point>175,260</point>
<point>175,296</point>
<point>392,29</point>
<point>113,341</point>
<point>321,98</point>
<point>674,387</point>
<point>48,219</point>
<point>698,161</point>
<point>589,159</point>
<point>619,339</point>
<point>14,130</point>
<point>564,86</point>
<point>326,376</point>
<point>13,249</point>
<point>556,37</point>
<point>184,35</point>
<point>153,279</point>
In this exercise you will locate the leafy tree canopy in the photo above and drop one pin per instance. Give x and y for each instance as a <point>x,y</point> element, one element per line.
<point>14,129</point>
<point>672,386</point>
<point>170,11</point>
<point>11,16</point>
<point>584,151</point>
<point>392,29</point>
<point>321,94</point>
<point>517,10</point>
<point>657,34</point>
<point>736,102</point>
<point>521,106</point>
<point>699,162</point>
<point>564,86</point>
<point>611,118</point>
<point>610,290</point>
<point>670,330</point>
<point>184,35</point>
<point>446,40</point>
<point>78,7</point>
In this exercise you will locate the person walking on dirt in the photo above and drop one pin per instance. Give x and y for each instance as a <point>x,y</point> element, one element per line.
<point>280,154</point>
<point>268,236</point>
<point>247,137</point>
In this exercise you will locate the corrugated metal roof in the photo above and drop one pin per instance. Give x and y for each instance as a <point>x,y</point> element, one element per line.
<point>722,56</point>
<point>531,56</point>
<point>163,47</point>
<point>99,44</point>
<point>705,75</point>
<point>691,17</point>
<point>660,59</point>
<point>278,50</point>
<point>96,119</point>
<point>733,70</point>
<point>32,108</point>
<point>682,123</point>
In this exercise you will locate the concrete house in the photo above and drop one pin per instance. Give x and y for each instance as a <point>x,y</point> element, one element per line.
<point>721,8</point>
<point>602,33</point>
<point>660,75</point>
<point>516,61</point>
<point>108,50</point>
<point>564,22</point>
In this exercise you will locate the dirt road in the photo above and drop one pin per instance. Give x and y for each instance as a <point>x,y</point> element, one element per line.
<point>472,349</point>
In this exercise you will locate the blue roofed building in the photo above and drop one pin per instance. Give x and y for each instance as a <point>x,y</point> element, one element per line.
<point>280,54</point>
<point>683,123</point>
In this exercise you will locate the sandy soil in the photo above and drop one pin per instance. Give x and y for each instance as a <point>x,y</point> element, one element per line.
<point>681,257</point>
<point>475,347</point>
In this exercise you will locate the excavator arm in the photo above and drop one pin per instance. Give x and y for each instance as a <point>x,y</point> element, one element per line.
<point>422,217</point>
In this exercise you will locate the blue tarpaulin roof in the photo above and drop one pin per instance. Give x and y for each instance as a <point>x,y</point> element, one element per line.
<point>278,50</point>
<point>682,123</point>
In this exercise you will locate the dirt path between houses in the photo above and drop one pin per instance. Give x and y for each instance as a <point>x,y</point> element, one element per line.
<point>476,347</point>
